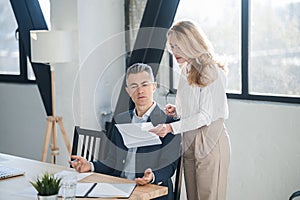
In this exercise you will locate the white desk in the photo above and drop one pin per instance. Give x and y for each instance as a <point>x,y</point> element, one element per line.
<point>9,187</point>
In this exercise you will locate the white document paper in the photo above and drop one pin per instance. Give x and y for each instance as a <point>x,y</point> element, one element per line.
<point>109,190</point>
<point>117,190</point>
<point>137,134</point>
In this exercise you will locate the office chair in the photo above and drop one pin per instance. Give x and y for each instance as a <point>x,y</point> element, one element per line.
<point>178,179</point>
<point>294,195</point>
<point>89,144</point>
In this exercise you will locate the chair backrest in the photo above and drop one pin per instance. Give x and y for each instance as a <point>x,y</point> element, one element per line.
<point>178,179</point>
<point>89,144</point>
<point>294,195</point>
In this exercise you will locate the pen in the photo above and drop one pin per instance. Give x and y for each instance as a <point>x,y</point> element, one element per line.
<point>87,193</point>
<point>72,162</point>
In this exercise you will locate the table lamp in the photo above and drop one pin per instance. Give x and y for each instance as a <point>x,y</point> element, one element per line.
<point>52,47</point>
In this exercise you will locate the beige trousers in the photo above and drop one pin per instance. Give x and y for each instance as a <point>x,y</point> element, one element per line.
<point>206,160</point>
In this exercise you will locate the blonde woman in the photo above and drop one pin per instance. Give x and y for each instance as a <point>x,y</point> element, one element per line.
<point>201,104</point>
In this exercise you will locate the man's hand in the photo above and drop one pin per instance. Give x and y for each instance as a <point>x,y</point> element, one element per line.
<point>162,129</point>
<point>147,178</point>
<point>80,164</point>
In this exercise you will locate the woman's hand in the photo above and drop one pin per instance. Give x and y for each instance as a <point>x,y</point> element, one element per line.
<point>162,129</point>
<point>147,178</point>
<point>80,164</point>
<point>170,110</point>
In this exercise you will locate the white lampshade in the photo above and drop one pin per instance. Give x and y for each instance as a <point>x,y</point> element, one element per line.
<point>51,46</point>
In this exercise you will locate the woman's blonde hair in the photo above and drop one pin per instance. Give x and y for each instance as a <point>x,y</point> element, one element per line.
<point>198,51</point>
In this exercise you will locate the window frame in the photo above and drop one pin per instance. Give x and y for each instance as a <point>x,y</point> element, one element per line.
<point>23,66</point>
<point>24,63</point>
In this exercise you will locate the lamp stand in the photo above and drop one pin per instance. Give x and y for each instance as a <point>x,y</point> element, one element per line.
<point>51,129</point>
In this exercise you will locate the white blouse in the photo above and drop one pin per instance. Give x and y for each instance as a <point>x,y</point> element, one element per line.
<point>198,106</point>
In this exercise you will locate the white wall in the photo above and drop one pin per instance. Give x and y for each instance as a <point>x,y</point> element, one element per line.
<point>265,150</point>
<point>264,136</point>
<point>83,92</point>
<point>101,59</point>
<point>22,120</point>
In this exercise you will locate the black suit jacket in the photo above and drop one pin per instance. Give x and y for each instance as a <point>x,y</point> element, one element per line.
<point>162,158</point>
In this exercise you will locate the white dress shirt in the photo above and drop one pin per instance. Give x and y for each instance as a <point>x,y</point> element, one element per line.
<point>129,169</point>
<point>199,106</point>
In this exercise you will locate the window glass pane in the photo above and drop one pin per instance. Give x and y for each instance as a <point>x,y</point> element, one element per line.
<point>220,20</point>
<point>136,11</point>
<point>30,74</point>
<point>275,47</point>
<point>45,6</point>
<point>9,45</point>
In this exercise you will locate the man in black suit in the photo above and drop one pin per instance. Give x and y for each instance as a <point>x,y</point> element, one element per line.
<point>144,164</point>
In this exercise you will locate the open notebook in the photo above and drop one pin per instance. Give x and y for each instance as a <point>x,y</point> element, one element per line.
<point>7,172</point>
<point>105,190</point>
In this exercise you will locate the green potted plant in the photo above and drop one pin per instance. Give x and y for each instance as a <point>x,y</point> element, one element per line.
<point>47,186</point>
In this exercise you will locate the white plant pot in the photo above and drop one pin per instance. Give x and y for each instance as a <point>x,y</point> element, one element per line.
<point>51,197</point>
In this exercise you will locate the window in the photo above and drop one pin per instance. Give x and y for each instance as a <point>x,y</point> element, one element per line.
<point>224,34</point>
<point>274,62</point>
<point>14,65</point>
<point>9,49</point>
<point>260,41</point>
